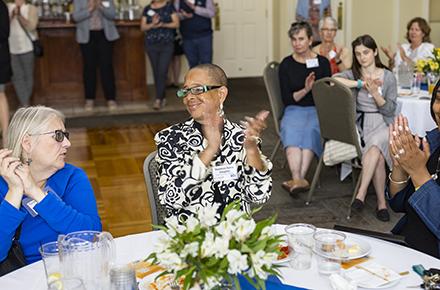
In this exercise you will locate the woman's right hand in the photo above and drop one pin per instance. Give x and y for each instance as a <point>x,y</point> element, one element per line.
<point>212,131</point>
<point>310,80</point>
<point>8,165</point>
<point>388,52</point>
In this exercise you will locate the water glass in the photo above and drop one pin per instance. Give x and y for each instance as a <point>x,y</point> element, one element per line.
<point>51,260</point>
<point>122,277</point>
<point>416,83</point>
<point>328,246</point>
<point>67,284</point>
<point>300,238</point>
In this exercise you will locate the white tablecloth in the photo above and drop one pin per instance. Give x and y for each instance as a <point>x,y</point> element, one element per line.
<point>134,247</point>
<point>418,113</point>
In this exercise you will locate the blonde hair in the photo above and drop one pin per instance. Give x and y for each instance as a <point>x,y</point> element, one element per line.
<point>28,121</point>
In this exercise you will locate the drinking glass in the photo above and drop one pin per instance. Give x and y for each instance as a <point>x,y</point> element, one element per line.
<point>300,238</point>
<point>328,246</point>
<point>51,260</point>
<point>67,284</point>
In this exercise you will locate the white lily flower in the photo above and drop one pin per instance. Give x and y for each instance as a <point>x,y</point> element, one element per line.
<point>191,249</point>
<point>224,229</point>
<point>191,224</point>
<point>233,215</point>
<point>243,229</point>
<point>237,262</point>
<point>208,248</point>
<point>170,260</point>
<point>208,215</point>
<point>221,246</point>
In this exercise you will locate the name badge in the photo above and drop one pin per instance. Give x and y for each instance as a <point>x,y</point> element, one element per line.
<point>317,2</point>
<point>29,204</point>
<point>312,62</point>
<point>331,54</point>
<point>106,4</point>
<point>151,13</point>
<point>224,172</point>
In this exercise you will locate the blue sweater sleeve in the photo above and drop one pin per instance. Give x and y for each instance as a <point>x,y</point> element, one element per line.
<point>10,219</point>
<point>426,203</point>
<point>76,210</point>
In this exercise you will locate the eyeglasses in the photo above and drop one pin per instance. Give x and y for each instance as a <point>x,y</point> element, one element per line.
<point>58,135</point>
<point>197,90</point>
<point>329,29</point>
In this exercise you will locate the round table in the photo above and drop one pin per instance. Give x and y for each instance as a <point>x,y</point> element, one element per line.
<point>138,246</point>
<point>417,109</point>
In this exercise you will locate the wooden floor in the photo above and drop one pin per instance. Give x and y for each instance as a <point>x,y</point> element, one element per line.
<point>113,160</point>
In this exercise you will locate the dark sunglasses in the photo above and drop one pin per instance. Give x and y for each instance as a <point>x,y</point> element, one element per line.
<point>58,135</point>
<point>181,93</point>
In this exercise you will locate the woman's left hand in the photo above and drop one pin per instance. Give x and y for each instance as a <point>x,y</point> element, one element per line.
<point>253,129</point>
<point>30,187</point>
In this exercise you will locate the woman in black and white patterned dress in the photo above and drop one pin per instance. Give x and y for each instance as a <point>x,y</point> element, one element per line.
<point>209,160</point>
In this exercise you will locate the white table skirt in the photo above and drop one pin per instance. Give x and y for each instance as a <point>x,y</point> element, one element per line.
<point>418,113</point>
<point>139,246</point>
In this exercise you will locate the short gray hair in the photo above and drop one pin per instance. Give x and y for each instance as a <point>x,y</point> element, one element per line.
<point>328,18</point>
<point>215,73</point>
<point>28,121</point>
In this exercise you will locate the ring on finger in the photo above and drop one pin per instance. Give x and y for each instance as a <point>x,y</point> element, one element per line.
<point>401,151</point>
<point>396,156</point>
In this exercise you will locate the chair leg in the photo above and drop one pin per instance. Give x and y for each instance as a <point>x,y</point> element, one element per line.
<point>358,183</point>
<point>315,179</point>
<point>275,149</point>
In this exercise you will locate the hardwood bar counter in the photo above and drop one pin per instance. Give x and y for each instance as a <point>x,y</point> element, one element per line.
<point>58,74</point>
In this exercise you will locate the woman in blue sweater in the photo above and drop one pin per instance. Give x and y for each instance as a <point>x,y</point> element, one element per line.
<point>38,190</point>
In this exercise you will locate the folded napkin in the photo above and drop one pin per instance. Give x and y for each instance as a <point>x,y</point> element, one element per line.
<point>272,283</point>
<point>339,283</point>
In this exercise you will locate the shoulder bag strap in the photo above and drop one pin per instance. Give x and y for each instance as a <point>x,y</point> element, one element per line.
<point>25,31</point>
<point>18,232</point>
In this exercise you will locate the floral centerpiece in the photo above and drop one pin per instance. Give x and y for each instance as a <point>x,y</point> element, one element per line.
<point>430,65</point>
<point>207,252</point>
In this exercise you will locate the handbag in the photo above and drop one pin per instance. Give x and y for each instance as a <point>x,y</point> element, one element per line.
<point>336,152</point>
<point>36,44</point>
<point>15,258</point>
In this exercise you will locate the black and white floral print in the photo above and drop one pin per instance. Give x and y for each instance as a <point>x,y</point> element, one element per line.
<point>186,184</point>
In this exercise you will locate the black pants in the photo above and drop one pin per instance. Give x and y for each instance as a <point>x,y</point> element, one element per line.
<point>98,52</point>
<point>160,56</point>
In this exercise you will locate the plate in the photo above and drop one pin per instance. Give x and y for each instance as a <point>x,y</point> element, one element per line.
<point>162,283</point>
<point>369,275</point>
<point>354,249</point>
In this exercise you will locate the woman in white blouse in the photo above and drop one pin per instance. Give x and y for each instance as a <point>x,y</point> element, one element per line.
<point>24,20</point>
<point>419,46</point>
<point>209,160</point>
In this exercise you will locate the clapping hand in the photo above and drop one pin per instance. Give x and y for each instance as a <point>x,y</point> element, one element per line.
<point>186,14</point>
<point>310,80</point>
<point>190,5</point>
<point>405,148</point>
<point>254,126</point>
<point>372,85</point>
<point>156,21</point>
<point>212,128</point>
<point>388,52</point>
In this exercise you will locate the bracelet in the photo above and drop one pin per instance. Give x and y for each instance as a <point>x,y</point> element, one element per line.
<point>359,84</point>
<point>398,182</point>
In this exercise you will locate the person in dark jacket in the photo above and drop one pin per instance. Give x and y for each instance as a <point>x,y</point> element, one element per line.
<point>5,67</point>
<point>196,29</point>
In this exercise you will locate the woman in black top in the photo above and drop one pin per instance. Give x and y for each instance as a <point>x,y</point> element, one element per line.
<point>299,126</point>
<point>5,67</point>
<point>414,185</point>
<point>159,21</point>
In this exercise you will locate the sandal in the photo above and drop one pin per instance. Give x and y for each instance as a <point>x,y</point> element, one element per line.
<point>295,186</point>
